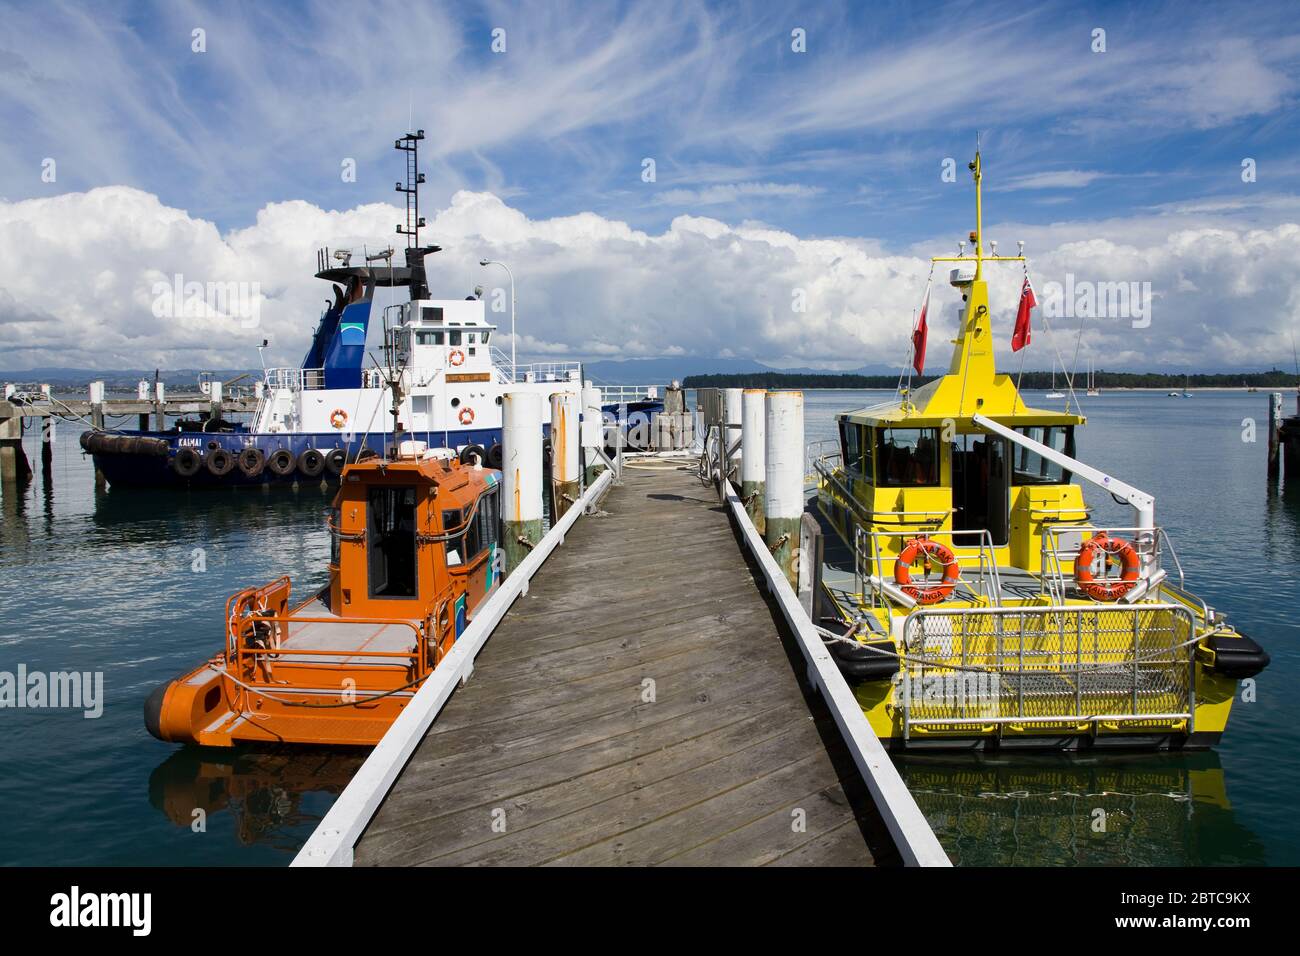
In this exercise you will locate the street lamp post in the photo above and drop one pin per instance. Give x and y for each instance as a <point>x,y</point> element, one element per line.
<point>492,262</point>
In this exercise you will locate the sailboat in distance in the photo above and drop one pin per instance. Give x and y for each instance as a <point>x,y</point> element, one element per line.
<point>1054,393</point>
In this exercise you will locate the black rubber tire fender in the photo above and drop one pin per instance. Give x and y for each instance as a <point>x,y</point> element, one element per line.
<point>187,462</point>
<point>281,462</point>
<point>470,452</point>
<point>335,459</point>
<point>251,461</point>
<point>311,463</point>
<point>220,462</point>
<point>496,456</point>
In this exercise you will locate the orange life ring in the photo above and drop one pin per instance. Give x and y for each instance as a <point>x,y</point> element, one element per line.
<point>457,357</point>
<point>338,418</point>
<point>1107,589</point>
<point>926,593</point>
<point>466,416</point>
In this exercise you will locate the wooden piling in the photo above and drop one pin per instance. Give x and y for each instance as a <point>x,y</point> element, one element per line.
<point>13,460</point>
<point>753,464</point>
<point>564,447</point>
<point>1275,436</point>
<point>593,433</point>
<point>521,475</point>
<point>783,470</point>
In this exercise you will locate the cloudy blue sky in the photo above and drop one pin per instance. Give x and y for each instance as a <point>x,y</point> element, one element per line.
<point>775,170</point>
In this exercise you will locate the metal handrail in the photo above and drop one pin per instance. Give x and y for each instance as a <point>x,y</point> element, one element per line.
<point>989,580</point>
<point>1147,542</point>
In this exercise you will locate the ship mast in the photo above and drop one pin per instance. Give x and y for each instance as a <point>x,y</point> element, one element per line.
<point>973,356</point>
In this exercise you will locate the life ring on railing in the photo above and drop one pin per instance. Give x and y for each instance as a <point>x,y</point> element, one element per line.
<point>457,357</point>
<point>465,416</point>
<point>932,550</point>
<point>338,418</point>
<point>1110,589</point>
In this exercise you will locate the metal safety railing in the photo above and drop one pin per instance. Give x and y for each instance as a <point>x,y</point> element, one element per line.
<point>623,394</point>
<point>1060,543</point>
<point>1067,666</point>
<point>874,550</point>
<point>295,379</point>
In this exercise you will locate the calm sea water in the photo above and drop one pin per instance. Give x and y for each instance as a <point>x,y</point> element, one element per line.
<point>132,584</point>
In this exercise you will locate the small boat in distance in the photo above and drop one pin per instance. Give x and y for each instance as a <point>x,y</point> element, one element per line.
<point>1093,390</point>
<point>1054,393</point>
<point>1184,393</point>
<point>413,553</point>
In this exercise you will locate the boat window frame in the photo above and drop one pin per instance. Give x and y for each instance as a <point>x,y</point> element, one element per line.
<point>883,480</point>
<point>1066,476</point>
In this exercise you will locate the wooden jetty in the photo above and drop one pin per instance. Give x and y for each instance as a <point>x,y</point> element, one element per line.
<point>641,705</point>
<point>96,410</point>
<point>655,695</point>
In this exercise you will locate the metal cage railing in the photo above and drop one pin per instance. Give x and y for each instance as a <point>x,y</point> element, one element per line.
<point>1048,666</point>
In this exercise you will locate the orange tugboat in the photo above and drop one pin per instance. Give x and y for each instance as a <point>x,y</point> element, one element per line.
<point>414,553</point>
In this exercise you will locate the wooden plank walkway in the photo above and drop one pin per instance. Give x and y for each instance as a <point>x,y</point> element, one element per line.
<point>640,705</point>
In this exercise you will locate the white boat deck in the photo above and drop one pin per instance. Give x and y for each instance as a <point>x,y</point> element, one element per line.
<point>344,636</point>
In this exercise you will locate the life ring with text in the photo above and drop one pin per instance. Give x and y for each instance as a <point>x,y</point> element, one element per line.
<point>466,416</point>
<point>924,593</point>
<point>338,418</point>
<point>1106,589</point>
<point>457,357</point>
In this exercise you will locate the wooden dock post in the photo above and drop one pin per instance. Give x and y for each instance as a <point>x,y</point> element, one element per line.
<point>593,433</point>
<point>47,444</point>
<point>13,460</point>
<point>565,470</point>
<point>1275,436</point>
<point>783,471</point>
<point>732,400</point>
<point>521,475</point>
<point>753,462</point>
<point>97,420</point>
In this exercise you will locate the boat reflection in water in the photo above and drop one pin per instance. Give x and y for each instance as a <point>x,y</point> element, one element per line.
<point>268,794</point>
<point>1047,810</point>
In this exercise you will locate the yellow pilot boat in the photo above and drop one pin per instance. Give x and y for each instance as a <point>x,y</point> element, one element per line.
<point>975,603</point>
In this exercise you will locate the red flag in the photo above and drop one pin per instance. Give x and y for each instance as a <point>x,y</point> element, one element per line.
<point>918,338</point>
<point>1020,337</point>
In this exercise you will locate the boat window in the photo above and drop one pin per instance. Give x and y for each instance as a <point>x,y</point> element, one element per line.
<point>1032,468</point>
<point>471,337</point>
<point>850,444</point>
<point>425,337</point>
<point>907,457</point>
<point>451,524</point>
<point>432,313</point>
<point>487,520</point>
<point>485,337</point>
<point>453,337</point>
<point>390,540</point>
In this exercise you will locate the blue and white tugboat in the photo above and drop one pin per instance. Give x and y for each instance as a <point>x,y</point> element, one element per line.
<point>441,381</point>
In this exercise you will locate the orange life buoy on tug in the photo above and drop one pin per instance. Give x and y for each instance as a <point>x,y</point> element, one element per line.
<point>926,593</point>
<point>1107,589</point>
<point>338,418</point>
<point>466,416</point>
<point>457,357</point>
